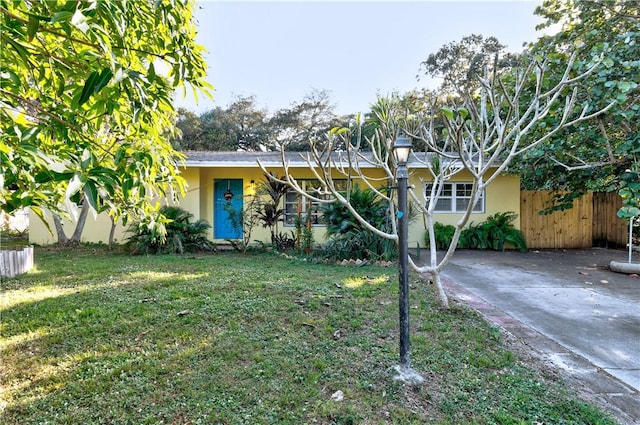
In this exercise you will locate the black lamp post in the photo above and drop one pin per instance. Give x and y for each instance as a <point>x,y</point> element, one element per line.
<point>401,150</point>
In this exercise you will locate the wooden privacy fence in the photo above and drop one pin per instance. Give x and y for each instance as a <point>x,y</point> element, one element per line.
<point>608,229</point>
<point>16,261</point>
<point>592,220</point>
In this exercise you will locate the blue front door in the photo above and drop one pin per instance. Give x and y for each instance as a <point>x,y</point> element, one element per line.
<point>222,226</point>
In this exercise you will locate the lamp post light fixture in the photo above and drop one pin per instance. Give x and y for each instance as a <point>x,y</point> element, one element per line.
<point>401,151</point>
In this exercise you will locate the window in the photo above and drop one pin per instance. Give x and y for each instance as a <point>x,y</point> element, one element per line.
<point>455,198</point>
<point>296,205</point>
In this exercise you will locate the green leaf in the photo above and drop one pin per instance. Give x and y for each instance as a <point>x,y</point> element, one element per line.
<point>608,62</point>
<point>628,212</point>
<point>32,27</point>
<point>89,88</point>
<point>61,16</point>
<point>625,193</point>
<point>60,87</point>
<point>43,177</point>
<point>624,86</point>
<point>447,113</point>
<point>60,177</point>
<point>91,194</point>
<point>20,49</point>
<point>635,186</point>
<point>103,79</point>
<point>151,73</point>
<point>127,186</point>
<point>10,75</point>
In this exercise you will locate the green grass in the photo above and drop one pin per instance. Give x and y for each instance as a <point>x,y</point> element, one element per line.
<point>92,337</point>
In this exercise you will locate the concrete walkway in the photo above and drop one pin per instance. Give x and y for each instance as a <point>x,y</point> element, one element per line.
<point>568,309</point>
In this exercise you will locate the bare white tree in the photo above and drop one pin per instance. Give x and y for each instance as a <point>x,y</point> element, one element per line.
<point>483,133</point>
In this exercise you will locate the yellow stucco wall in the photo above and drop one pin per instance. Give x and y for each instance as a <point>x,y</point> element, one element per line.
<point>501,196</point>
<point>96,229</point>
<point>205,182</point>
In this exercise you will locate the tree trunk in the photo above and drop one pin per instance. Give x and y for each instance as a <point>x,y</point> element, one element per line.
<point>444,300</point>
<point>112,232</point>
<point>82,219</point>
<point>62,237</point>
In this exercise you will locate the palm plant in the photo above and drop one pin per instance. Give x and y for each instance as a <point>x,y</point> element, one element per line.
<point>269,212</point>
<point>348,238</point>
<point>181,236</point>
<point>498,230</point>
<point>473,237</point>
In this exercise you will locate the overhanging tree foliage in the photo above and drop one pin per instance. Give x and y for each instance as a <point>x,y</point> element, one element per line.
<point>86,102</point>
<point>597,154</point>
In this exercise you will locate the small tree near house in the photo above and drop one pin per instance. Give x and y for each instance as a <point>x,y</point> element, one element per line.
<point>269,211</point>
<point>481,133</point>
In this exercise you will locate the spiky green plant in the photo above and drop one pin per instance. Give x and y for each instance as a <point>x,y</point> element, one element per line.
<point>182,235</point>
<point>348,238</point>
<point>473,237</point>
<point>443,235</point>
<point>498,230</point>
<point>269,212</point>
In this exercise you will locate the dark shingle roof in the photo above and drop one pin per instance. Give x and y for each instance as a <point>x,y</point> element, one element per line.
<point>221,159</point>
<point>237,159</point>
<point>249,159</point>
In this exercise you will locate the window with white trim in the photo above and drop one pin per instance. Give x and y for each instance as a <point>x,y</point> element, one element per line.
<point>455,198</point>
<point>296,205</point>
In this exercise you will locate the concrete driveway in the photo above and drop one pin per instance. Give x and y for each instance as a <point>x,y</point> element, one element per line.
<point>567,307</point>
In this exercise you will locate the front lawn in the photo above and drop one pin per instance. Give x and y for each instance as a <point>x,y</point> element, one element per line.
<point>92,337</point>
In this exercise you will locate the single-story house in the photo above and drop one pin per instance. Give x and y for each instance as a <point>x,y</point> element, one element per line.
<point>210,175</point>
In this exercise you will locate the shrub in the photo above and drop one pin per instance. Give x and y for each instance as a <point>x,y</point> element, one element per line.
<point>498,230</point>
<point>181,234</point>
<point>443,235</point>
<point>284,241</point>
<point>493,233</point>
<point>473,237</point>
<point>347,238</point>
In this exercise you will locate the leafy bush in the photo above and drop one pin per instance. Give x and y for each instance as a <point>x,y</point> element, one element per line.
<point>284,241</point>
<point>443,235</point>
<point>181,234</point>
<point>493,233</point>
<point>347,238</point>
<point>498,230</point>
<point>473,237</point>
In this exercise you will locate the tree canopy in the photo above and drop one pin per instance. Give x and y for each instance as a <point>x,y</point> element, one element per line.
<point>239,126</point>
<point>242,125</point>
<point>460,63</point>
<point>598,154</point>
<point>86,101</point>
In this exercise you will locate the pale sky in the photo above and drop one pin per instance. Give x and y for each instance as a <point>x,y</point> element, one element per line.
<point>281,50</point>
